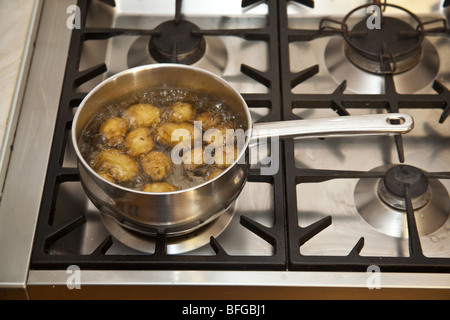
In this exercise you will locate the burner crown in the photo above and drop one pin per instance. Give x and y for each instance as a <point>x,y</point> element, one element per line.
<point>176,43</point>
<point>398,177</point>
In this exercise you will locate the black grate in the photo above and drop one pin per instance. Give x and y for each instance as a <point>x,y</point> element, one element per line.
<point>52,228</point>
<point>415,262</point>
<point>343,104</point>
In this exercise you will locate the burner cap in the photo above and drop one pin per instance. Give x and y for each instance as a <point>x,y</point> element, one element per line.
<point>398,176</point>
<point>176,43</point>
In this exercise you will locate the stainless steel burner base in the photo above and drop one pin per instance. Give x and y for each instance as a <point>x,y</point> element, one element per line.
<point>174,245</point>
<point>391,221</point>
<point>358,80</point>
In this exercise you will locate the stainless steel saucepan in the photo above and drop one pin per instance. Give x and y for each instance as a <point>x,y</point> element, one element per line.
<point>180,212</point>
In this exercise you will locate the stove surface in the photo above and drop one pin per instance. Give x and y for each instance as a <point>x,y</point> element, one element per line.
<point>332,201</point>
<point>311,215</point>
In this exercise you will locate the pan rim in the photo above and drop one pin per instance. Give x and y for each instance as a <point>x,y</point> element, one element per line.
<point>113,78</point>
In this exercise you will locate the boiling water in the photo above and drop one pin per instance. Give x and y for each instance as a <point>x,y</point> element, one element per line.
<point>92,142</point>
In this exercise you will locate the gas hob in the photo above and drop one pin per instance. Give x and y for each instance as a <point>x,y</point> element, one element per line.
<point>335,207</point>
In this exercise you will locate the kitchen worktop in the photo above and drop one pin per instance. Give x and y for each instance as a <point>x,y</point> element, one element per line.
<point>16,18</point>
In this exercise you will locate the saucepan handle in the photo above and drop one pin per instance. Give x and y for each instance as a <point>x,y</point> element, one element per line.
<point>362,125</point>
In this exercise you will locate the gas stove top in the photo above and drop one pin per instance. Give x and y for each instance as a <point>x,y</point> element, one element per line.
<point>349,177</point>
<point>336,205</point>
